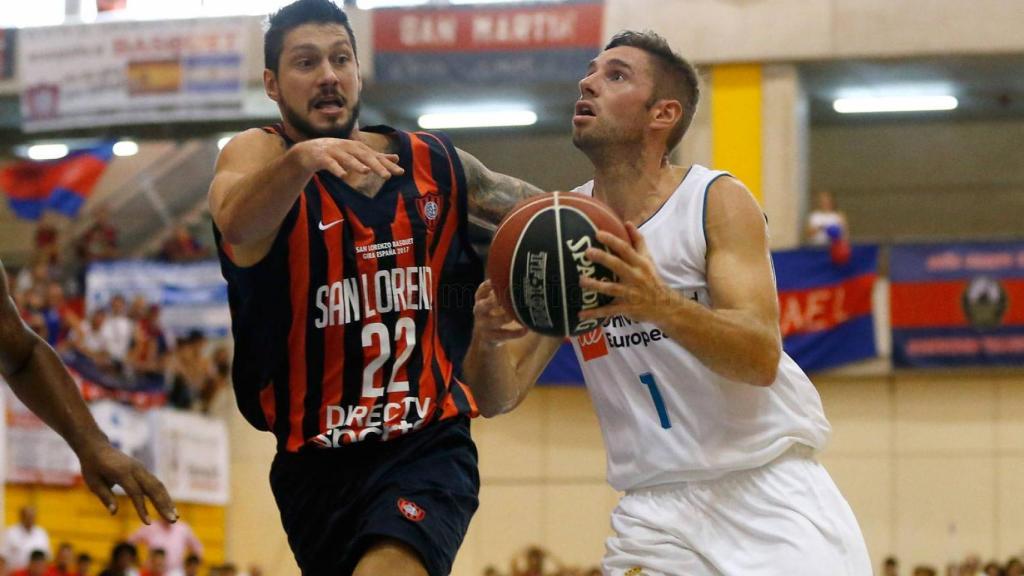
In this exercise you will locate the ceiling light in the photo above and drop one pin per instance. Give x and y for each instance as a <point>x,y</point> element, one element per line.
<point>47,151</point>
<point>126,148</point>
<point>498,1</point>
<point>478,119</point>
<point>894,104</point>
<point>371,4</point>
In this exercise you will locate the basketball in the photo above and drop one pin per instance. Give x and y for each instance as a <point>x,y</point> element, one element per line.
<point>538,257</point>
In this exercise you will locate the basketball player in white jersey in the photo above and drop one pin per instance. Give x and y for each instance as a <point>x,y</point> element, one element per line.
<point>710,429</point>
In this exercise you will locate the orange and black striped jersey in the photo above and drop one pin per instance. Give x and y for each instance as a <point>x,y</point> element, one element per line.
<point>353,327</point>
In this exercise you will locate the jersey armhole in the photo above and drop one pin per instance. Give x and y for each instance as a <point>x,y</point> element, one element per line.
<point>704,210</point>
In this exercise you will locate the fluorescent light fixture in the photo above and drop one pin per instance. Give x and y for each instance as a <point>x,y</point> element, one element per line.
<point>894,104</point>
<point>499,1</point>
<point>47,151</point>
<point>223,141</point>
<point>371,4</point>
<point>478,119</point>
<point>126,148</point>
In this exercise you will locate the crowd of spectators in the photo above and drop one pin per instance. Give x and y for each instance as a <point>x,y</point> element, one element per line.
<point>122,345</point>
<point>971,565</point>
<point>171,550</point>
<point>536,561</point>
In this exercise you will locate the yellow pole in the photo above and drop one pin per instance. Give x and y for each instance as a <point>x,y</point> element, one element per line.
<point>736,123</point>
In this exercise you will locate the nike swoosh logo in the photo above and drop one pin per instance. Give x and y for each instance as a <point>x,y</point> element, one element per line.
<point>331,225</point>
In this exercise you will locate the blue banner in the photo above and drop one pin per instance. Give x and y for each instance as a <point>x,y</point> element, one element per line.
<point>825,308</point>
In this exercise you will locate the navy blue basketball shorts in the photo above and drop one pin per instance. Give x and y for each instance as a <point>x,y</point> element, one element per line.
<point>420,489</point>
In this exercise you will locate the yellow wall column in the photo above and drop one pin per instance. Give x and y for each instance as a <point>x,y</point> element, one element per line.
<point>736,123</point>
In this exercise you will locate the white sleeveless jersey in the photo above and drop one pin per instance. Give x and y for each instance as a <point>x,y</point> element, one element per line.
<point>664,415</point>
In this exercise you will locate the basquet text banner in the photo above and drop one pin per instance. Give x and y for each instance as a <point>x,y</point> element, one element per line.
<point>825,312</point>
<point>535,43</point>
<point>957,304</point>
<point>131,72</point>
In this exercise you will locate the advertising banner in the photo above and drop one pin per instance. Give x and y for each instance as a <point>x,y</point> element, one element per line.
<point>957,304</point>
<point>131,72</point>
<point>532,43</point>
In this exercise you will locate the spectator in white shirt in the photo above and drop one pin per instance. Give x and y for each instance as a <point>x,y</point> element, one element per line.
<point>24,537</point>
<point>117,330</point>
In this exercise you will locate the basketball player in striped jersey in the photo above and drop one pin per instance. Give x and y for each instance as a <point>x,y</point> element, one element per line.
<point>710,429</point>
<point>350,280</point>
<point>39,379</point>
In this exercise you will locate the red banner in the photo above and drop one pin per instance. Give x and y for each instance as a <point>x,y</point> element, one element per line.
<point>488,30</point>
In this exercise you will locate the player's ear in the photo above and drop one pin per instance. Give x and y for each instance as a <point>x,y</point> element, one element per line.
<point>665,114</point>
<point>270,84</point>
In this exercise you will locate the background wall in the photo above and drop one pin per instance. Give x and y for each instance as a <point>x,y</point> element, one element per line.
<point>935,179</point>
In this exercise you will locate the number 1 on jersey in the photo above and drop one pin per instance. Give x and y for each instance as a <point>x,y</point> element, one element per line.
<point>659,404</point>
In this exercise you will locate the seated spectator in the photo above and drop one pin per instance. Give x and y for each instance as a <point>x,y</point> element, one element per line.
<point>215,397</point>
<point>123,559</point>
<point>925,571</point>
<point>157,565</point>
<point>182,246</point>
<point>190,371</point>
<point>59,316</point>
<point>890,566</point>
<point>83,567</point>
<point>37,565</point>
<point>99,243</point>
<point>62,562</point>
<point>992,569</point>
<point>117,331</point>
<point>36,276</point>
<point>1014,567</point>
<point>192,565</point>
<point>146,358</point>
<point>46,247</point>
<point>85,339</point>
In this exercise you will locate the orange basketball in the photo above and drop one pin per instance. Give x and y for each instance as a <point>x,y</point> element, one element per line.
<point>538,256</point>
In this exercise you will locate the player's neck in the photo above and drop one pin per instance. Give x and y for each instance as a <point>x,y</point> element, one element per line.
<point>636,189</point>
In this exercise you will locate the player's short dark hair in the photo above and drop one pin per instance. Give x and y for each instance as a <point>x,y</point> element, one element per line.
<point>296,14</point>
<point>674,77</point>
<point>160,552</point>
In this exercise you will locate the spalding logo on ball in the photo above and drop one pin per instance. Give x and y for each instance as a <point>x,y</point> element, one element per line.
<point>538,257</point>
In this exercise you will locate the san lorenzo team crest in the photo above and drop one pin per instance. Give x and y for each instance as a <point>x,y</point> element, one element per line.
<point>411,510</point>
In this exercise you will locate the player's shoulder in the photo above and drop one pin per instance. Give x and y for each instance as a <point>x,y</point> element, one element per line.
<point>251,147</point>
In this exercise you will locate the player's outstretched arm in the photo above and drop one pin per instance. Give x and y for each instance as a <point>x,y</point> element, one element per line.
<point>257,180</point>
<point>491,194</point>
<point>504,359</point>
<point>38,378</point>
<point>738,338</point>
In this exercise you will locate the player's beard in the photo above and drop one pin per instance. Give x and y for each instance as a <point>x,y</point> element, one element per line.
<point>304,127</point>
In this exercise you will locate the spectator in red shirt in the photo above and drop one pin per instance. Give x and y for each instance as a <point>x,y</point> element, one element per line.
<point>62,562</point>
<point>100,241</point>
<point>182,246</point>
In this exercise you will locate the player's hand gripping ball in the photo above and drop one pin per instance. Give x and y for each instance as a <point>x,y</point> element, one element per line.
<point>538,257</point>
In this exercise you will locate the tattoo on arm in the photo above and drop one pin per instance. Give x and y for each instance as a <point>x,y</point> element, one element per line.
<point>492,195</point>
